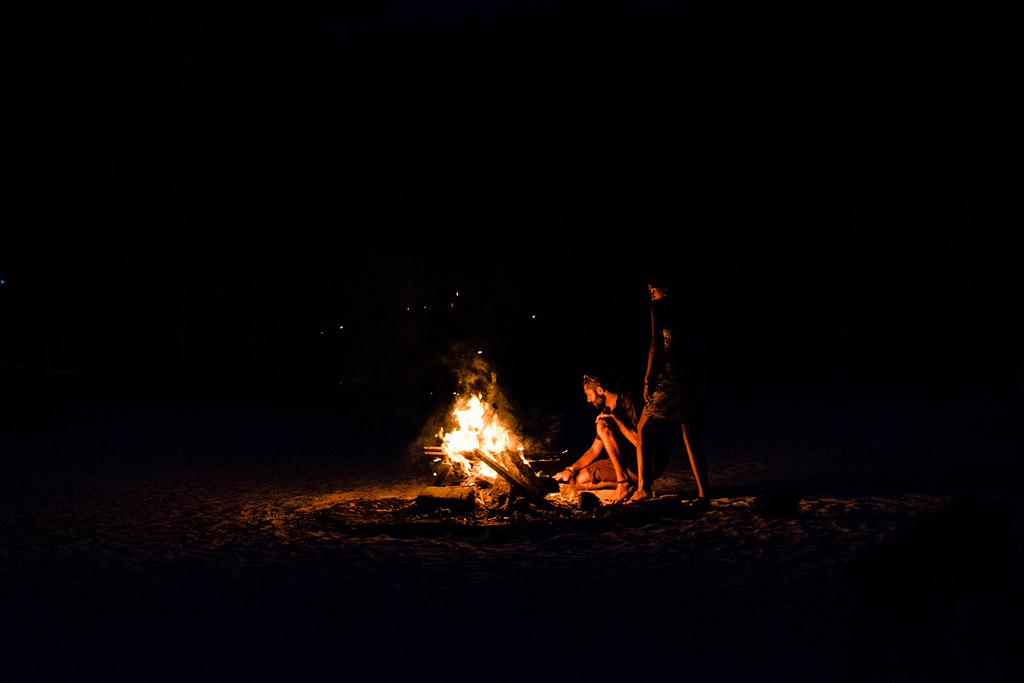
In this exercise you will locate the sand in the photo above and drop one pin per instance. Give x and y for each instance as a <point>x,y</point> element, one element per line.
<point>241,544</point>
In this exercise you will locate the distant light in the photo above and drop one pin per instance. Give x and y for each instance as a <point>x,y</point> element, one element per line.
<point>532,316</point>
<point>456,293</point>
<point>2,281</point>
<point>321,331</point>
<point>479,352</point>
<point>341,327</point>
<point>453,304</point>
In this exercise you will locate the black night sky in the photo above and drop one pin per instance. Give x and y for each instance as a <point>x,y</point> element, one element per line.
<point>198,201</point>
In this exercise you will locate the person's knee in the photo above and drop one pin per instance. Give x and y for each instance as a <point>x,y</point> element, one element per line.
<point>584,478</point>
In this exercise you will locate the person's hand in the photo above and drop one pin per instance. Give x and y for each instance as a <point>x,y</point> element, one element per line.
<point>565,476</point>
<point>604,416</point>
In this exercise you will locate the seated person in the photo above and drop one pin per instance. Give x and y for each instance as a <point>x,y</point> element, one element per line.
<point>610,462</point>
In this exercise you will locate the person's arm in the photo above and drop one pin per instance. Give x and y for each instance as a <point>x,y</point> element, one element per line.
<point>627,429</point>
<point>591,454</point>
<point>654,356</point>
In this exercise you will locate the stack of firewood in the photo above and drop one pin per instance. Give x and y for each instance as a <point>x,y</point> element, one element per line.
<point>516,480</point>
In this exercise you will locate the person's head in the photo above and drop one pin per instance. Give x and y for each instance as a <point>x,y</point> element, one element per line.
<point>597,394</point>
<point>657,283</point>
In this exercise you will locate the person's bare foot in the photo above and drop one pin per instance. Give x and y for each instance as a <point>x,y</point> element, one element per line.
<point>622,492</point>
<point>640,495</point>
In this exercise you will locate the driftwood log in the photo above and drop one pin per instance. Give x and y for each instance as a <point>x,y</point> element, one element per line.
<point>455,498</point>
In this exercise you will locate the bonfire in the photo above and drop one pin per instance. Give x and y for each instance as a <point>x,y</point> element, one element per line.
<point>482,454</point>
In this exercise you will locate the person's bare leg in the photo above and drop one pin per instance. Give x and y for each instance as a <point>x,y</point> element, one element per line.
<point>611,447</point>
<point>599,486</point>
<point>698,461</point>
<point>583,481</point>
<point>645,431</point>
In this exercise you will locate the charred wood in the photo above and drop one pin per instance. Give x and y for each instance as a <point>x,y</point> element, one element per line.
<point>531,491</point>
<point>444,474</point>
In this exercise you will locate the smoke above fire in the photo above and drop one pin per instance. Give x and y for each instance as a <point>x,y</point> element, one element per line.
<point>476,377</point>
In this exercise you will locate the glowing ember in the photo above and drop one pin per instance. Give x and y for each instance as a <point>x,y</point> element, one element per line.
<point>478,428</point>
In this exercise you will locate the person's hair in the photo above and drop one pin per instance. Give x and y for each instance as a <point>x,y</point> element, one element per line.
<point>603,380</point>
<point>657,278</point>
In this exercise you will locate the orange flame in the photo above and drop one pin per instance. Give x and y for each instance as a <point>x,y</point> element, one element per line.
<point>478,427</point>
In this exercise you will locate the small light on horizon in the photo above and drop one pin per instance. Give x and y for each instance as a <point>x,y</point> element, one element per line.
<point>479,352</point>
<point>341,327</point>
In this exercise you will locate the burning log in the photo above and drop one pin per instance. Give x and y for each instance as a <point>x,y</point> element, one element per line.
<point>517,466</point>
<point>528,487</point>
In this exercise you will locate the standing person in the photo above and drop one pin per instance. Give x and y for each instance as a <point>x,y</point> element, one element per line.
<point>673,391</point>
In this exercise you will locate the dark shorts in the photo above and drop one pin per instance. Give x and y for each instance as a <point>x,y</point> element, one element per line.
<point>600,471</point>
